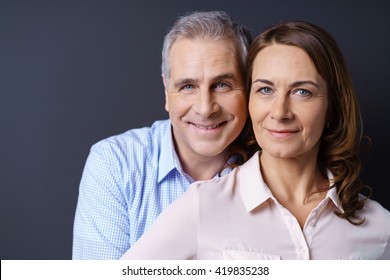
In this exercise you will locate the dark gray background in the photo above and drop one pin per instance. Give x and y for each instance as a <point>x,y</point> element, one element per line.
<point>75,72</point>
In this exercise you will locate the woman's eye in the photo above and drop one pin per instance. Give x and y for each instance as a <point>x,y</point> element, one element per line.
<point>302,92</point>
<point>265,90</point>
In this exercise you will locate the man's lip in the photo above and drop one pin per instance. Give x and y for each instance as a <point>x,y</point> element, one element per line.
<point>208,126</point>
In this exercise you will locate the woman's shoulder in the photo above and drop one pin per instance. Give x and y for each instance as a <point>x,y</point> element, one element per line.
<point>216,184</point>
<point>373,209</point>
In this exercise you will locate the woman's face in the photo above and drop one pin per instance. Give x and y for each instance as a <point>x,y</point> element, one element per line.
<point>288,102</point>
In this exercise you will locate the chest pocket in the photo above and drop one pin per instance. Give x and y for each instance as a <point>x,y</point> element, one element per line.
<point>352,257</point>
<point>247,255</point>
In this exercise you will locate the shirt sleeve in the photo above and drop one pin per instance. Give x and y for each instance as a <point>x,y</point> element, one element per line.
<point>101,225</point>
<point>386,252</point>
<point>173,235</point>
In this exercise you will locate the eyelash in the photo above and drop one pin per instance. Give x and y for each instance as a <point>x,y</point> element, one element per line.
<point>307,92</point>
<point>220,85</point>
<point>261,90</point>
<point>187,88</point>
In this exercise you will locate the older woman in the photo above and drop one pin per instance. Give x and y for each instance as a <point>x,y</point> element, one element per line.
<point>298,197</point>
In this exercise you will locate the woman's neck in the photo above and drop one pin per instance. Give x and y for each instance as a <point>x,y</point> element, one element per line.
<point>297,184</point>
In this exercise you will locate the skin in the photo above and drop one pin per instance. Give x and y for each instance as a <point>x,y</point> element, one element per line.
<point>288,104</point>
<point>206,103</point>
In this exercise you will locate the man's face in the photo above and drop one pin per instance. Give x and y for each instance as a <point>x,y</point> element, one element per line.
<point>204,97</point>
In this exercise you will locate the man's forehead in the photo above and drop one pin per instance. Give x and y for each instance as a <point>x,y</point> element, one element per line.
<point>185,46</point>
<point>235,77</point>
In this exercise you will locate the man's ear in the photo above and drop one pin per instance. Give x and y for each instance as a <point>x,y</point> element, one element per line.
<point>166,93</point>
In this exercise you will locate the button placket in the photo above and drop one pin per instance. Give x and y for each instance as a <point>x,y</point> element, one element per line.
<point>296,233</point>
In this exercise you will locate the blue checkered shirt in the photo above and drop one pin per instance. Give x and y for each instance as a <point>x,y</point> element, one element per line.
<point>127,181</point>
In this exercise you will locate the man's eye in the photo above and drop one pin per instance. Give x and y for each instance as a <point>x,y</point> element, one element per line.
<point>187,88</point>
<point>221,87</point>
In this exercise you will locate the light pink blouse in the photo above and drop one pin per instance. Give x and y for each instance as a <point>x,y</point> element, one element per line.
<point>237,217</point>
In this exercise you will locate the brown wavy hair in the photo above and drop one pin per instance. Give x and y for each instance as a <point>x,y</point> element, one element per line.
<point>341,138</point>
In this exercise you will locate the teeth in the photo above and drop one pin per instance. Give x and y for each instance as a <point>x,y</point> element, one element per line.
<point>206,127</point>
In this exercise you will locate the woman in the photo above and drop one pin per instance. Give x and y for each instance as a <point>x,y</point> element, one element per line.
<point>298,196</point>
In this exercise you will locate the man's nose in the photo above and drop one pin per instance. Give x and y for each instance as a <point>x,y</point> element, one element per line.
<point>205,103</point>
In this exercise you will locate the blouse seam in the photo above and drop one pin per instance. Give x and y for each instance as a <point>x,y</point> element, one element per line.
<point>197,220</point>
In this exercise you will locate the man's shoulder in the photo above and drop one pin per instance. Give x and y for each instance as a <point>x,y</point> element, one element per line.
<point>136,138</point>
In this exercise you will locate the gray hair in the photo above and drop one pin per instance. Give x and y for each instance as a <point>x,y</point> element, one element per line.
<point>215,25</point>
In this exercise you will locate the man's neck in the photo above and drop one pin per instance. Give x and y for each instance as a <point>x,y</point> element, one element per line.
<point>205,168</point>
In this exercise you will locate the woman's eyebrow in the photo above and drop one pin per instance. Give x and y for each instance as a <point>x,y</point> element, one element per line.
<point>263,81</point>
<point>294,84</point>
<point>299,83</point>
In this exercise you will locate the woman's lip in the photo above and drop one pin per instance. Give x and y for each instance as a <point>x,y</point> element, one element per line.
<point>282,133</point>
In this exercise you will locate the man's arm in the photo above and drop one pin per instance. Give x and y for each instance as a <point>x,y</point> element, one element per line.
<point>173,235</point>
<point>101,226</point>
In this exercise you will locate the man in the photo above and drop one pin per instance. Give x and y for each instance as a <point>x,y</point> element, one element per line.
<point>130,178</point>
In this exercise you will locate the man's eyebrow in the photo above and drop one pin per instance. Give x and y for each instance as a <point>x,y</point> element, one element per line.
<point>183,82</point>
<point>294,84</point>
<point>216,79</point>
<point>227,76</point>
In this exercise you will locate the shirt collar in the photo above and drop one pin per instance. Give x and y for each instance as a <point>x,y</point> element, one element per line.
<point>332,193</point>
<point>254,190</point>
<point>168,158</point>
